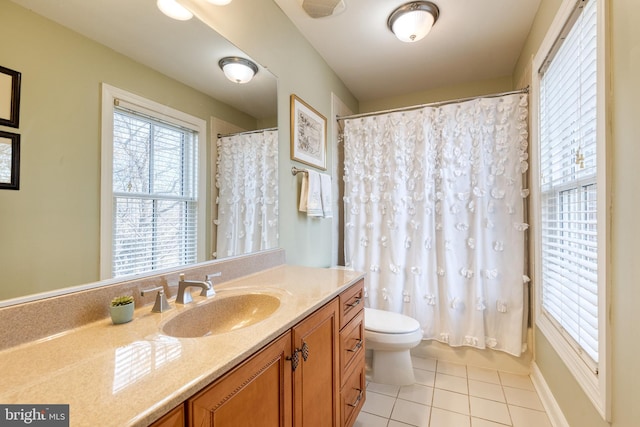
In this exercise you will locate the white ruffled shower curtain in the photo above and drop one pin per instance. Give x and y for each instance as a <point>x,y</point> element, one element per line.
<point>247,181</point>
<point>434,213</point>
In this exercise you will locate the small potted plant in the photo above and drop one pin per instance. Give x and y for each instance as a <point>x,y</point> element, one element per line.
<point>121,309</point>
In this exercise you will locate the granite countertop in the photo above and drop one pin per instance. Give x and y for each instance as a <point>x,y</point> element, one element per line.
<point>132,374</point>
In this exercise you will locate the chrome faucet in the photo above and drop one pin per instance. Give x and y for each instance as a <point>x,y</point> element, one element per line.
<point>184,297</point>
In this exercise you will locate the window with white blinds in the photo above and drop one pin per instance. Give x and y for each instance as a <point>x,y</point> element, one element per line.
<point>569,185</point>
<point>154,194</point>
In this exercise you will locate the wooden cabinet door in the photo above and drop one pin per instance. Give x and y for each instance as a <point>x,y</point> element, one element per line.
<point>173,418</point>
<point>257,393</point>
<point>315,379</point>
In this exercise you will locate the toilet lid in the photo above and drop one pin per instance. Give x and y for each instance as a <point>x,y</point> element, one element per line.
<point>388,322</point>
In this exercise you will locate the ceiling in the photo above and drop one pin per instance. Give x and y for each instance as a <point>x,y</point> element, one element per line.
<point>187,51</point>
<point>472,40</point>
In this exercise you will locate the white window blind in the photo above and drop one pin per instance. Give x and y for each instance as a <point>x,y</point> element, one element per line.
<point>569,190</point>
<point>154,194</point>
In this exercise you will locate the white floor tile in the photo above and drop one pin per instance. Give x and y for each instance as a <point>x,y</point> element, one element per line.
<point>523,417</point>
<point>483,374</point>
<point>411,413</point>
<point>379,404</point>
<point>517,381</point>
<point>424,377</point>
<point>453,395</point>
<point>389,390</point>
<point>451,401</point>
<point>489,410</point>
<point>442,418</point>
<point>422,363</point>
<point>486,390</point>
<point>451,383</point>
<point>417,393</point>
<point>525,398</point>
<point>454,369</point>
<point>369,420</point>
<point>479,422</point>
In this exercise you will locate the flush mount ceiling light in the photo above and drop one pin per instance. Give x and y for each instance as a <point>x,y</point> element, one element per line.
<point>174,10</point>
<point>413,21</point>
<point>238,70</point>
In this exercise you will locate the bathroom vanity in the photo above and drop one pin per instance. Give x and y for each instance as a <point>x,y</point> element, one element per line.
<point>313,374</point>
<point>140,374</point>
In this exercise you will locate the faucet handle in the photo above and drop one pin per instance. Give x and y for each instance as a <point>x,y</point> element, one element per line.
<point>212,275</point>
<point>210,292</point>
<point>161,304</point>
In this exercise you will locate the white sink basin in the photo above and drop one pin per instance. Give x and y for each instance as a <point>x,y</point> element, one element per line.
<point>221,315</point>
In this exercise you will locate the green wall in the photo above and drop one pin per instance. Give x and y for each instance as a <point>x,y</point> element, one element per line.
<point>265,33</point>
<point>49,229</point>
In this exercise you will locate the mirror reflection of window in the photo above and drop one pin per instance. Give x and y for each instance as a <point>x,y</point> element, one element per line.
<point>153,204</point>
<point>154,194</point>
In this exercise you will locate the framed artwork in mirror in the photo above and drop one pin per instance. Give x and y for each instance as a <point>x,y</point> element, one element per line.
<point>9,161</point>
<point>308,134</point>
<point>9,97</point>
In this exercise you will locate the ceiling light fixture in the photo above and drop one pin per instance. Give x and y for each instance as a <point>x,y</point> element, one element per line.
<point>413,21</point>
<point>238,70</point>
<point>174,10</point>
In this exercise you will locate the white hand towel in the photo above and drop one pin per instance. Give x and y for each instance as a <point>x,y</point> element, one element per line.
<point>325,190</point>
<point>310,196</point>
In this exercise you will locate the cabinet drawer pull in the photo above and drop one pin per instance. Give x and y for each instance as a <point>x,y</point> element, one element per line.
<point>355,303</point>
<point>305,351</point>
<point>354,404</point>
<point>356,348</point>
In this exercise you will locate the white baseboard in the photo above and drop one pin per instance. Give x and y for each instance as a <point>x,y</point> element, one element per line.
<point>548,401</point>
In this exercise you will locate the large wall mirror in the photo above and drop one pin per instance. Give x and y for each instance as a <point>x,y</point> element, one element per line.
<point>66,50</point>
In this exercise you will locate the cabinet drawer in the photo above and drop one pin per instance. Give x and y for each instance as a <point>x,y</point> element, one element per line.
<point>352,396</point>
<point>351,302</point>
<point>351,344</point>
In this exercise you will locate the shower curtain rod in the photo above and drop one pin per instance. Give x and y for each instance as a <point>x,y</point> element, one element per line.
<point>432,104</point>
<point>246,132</point>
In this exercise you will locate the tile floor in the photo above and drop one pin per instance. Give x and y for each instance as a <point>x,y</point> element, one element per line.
<point>452,395</point>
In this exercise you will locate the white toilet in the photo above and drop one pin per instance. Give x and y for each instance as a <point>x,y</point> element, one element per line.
<point>391,336</point>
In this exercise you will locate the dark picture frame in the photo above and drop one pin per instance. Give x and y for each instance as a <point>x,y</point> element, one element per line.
<point>9,161</point>
<point>9,97</point>
<point>308,134</point>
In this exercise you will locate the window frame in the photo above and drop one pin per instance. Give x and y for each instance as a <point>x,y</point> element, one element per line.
<point>164,113</point>
<point>596,385</point>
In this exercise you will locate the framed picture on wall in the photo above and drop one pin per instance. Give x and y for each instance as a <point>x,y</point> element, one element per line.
<point>308,134</point>
<point>9,160</point>
<point>9,97</point>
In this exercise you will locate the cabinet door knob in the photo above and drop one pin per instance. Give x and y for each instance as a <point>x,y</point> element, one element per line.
<point>295,359</point>
<point>305,351</point>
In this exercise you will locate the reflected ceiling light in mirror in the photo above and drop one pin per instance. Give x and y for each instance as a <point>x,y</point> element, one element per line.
<point>174,10</point>
<point>413,21</point>
<point>219,2</point>
<point>238,70</point>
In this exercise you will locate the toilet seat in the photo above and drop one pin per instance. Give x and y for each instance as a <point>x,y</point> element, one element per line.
<point>387,322</point>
